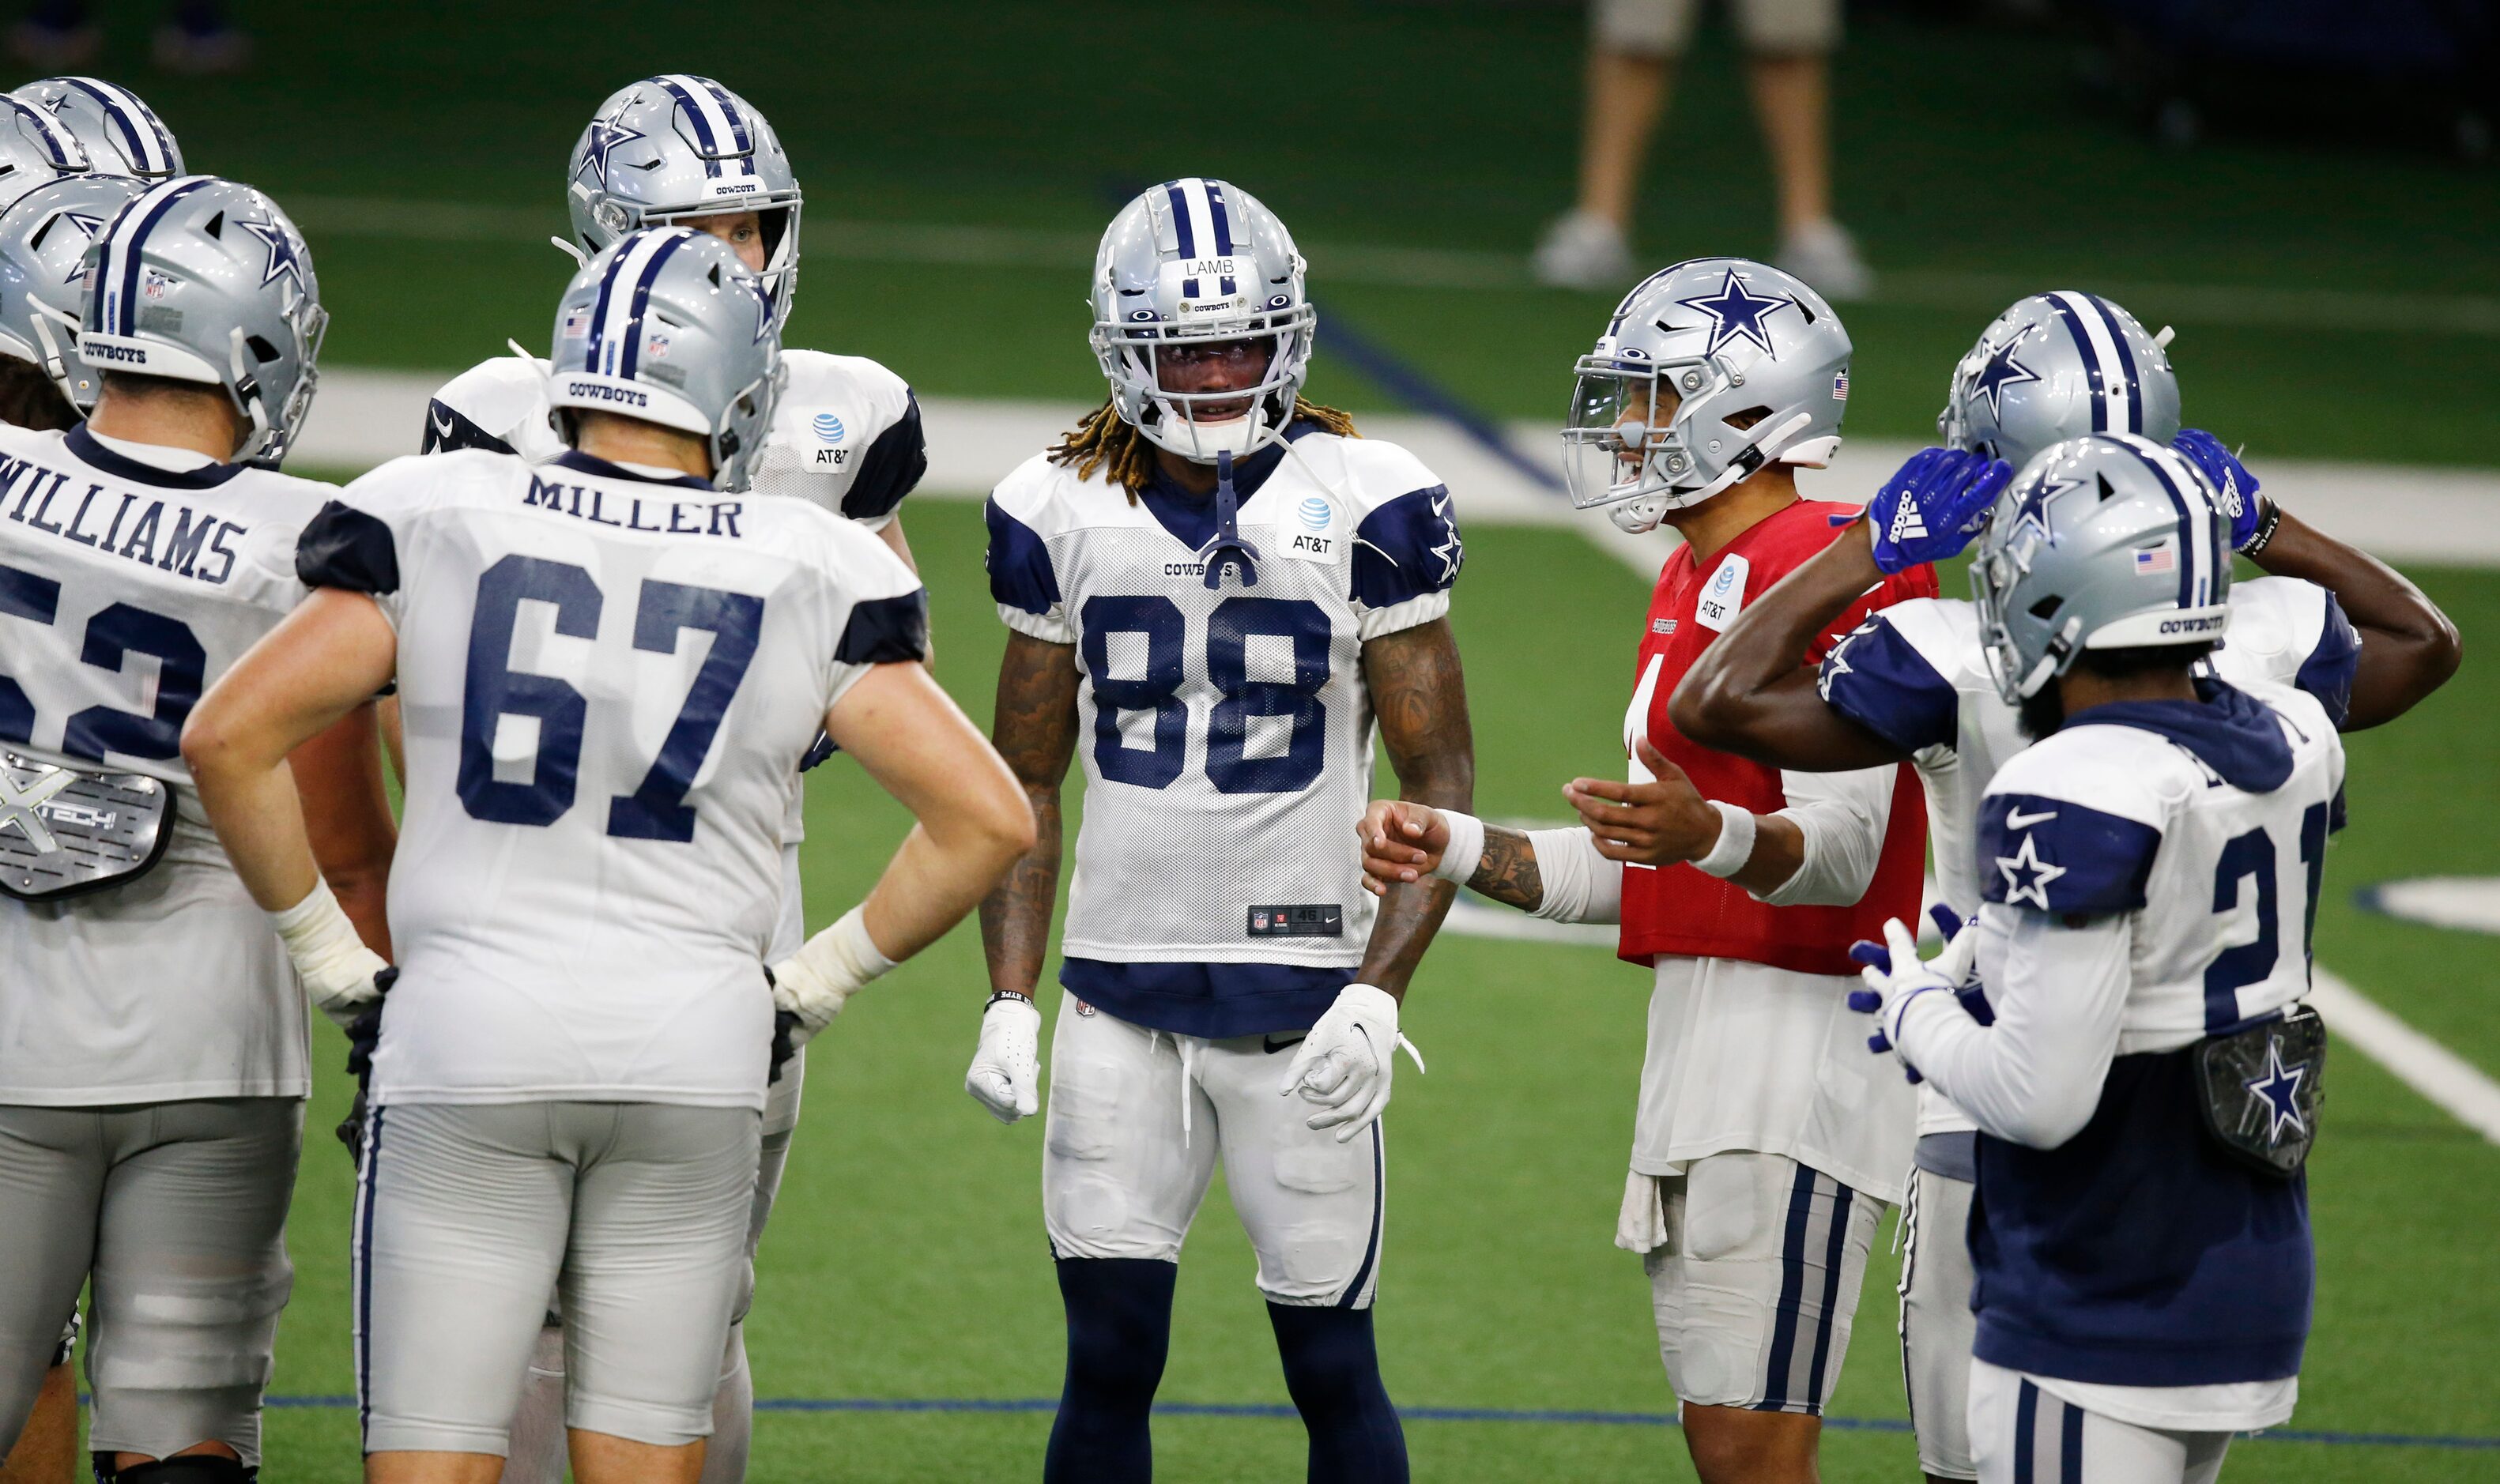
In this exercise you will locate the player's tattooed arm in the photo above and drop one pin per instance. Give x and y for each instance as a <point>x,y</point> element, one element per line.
<point>1036,732</point>
<point>1420,698</point>
<point>1750,694</point>
<point>2409,647</point>
<point>1507,872</point>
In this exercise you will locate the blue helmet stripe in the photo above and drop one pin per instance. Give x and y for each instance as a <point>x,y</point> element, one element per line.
<point>1223,222</point>
<point>738,130</point>
<point>2092,362</point>
<point>2195,530</point>
<point>125,320</point>
<point>705,144</point>
<point>641,301</point>
<point>595,346</point>
<point>149,144</point>
<point>1180,220</point>
<point>2125,361</point>
<point>59,144</point>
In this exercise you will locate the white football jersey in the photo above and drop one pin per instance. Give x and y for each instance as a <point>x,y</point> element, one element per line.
<point>1226,730</point>
<point>845,434</point>
<point>131,578</point>
<point>608,681</point>
<point>1916,674</point>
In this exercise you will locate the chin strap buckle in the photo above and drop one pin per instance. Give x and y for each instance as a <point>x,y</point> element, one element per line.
<point>1228,550</point>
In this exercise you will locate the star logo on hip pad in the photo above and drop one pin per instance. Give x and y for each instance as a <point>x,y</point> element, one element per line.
<point>1737,313</point>
<point>2027,875</point>
<point>2277,1090</point>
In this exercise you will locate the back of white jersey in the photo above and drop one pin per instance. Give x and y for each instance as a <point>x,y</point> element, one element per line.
<point>1916,674</point>
<point>126,589</point>
<point>607,681</point>
<point>1226,730</point>
<point>2206,823</point>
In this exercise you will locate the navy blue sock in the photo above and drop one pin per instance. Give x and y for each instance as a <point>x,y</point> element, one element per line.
<point>1119,1329</point>
<point>1333,1373</point>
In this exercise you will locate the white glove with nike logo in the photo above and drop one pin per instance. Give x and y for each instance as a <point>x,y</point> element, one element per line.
<point>1006,1076</point>
<point>1344,1064</point>
<point>336,967</point>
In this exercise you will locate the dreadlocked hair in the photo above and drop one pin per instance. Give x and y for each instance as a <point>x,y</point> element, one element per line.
<point>1104,440</point>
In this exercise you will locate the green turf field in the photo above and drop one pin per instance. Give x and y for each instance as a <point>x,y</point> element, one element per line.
<point>906,1261</point>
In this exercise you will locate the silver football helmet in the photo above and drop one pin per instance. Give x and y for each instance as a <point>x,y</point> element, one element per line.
<point>121,135</point>
<point>1757,364</point>
<point>203,279</point>
<point>1191,264</point>
<point>36,149</point>
<point>43,274</point>
<point>2058,366</point>
<point>2106,542</point>
<point>676,147</point>
<point>670,327</point>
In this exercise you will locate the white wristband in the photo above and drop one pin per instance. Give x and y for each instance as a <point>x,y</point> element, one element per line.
<point>336,967</point>
<point>1735,841</point>
<point>814,981</point>
<point>1467,847</point>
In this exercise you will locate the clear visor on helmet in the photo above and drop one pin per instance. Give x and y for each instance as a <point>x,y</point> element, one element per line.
<point>1210,387</point>
<point>1620,441</point>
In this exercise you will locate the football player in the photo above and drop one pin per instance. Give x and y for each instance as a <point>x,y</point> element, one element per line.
<point>1912,684</point>
<point>846,434</point>
<point>1217,595</point>
<point>1761,1161</point>
<point>152,1074</point>
<point>2147,1087</point>
<point>571,1066</point>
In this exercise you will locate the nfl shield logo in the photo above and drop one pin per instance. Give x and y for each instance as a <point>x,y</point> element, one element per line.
<point>657,348</point>
<point>154,285</point>
<point>1259,922</point>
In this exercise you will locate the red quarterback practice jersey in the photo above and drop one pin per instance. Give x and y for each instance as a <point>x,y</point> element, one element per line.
<point>1676,911</point>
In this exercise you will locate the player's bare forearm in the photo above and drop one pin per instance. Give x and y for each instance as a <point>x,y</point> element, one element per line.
<point>1035,728</point>
<point>1749,693</point>
<point>322,661</point>
<point>1419,695</point>
<point>1507,870</point>
<point>2409,647</point>
<point>346,813</point>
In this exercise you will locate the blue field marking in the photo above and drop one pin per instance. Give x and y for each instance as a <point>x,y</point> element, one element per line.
<point>1277,1412</point>
<point>1402,379</point>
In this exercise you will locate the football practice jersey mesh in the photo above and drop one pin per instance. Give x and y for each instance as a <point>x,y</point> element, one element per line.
<point>125,591</point>
<point>1226,732</point>
<point>607,683</point>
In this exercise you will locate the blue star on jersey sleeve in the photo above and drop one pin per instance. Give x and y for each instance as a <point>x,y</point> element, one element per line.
<point>1407,547</point>
<point>2053,855</point>
<point>1880,680</point>
<point>2327,673</point>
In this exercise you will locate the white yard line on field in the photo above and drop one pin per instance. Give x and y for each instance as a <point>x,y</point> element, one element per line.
<point>2448,517</point>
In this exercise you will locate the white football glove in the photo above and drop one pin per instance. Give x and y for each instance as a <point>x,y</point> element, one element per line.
<point>814,983</point>
<point>1344,1063</point>
<point>1894,975</point>
<point>1006,1076</point>
<point>337,968</point>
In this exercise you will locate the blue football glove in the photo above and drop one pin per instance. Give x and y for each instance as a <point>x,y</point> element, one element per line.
<point>1932,508</point>
<point>2230,478</point>
<point>1894,975</point>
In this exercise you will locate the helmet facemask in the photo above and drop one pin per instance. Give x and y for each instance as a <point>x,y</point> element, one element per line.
<point>1200,425</point>
<point>1620,453</point>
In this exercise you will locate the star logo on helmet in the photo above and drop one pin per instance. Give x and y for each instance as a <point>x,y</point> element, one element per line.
<point>2000,371</point>
<point>89,227</point>
<point>284,260</point>
<point>605,134</point>
<point>1736,312</point>
<point>56,100</point>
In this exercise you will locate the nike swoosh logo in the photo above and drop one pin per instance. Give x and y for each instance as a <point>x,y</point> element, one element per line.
<point>442,425</point>
<point>2016,819</point>
<point>1274,1046</point>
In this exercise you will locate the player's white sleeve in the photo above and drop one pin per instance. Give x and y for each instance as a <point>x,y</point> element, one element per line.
<point>2033,1077</point>
<point>1844,817</point>
<point>1581,885</point>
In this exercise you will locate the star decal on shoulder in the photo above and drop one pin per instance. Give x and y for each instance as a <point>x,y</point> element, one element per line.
<point>2027,875</point>
<point>1737,312</point>
<point>284,260</point>
<point>1450,551</point>
<point>2277,1089</point>
<point>1999,372</point>
<point>1836,664</point>
<point>605,135</point>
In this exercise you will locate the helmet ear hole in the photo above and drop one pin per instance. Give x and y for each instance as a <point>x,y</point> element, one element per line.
<point>1746,418</point>
<point>216,226</point>
<point>2047,608</point>
<point>261,350</point>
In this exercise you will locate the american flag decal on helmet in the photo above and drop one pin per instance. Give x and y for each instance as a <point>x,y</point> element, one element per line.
<point>1840,384</point>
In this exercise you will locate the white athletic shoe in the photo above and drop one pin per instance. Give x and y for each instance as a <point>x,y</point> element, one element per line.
<point>1826,256</point>
<point>1580,250</point>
